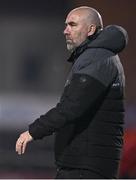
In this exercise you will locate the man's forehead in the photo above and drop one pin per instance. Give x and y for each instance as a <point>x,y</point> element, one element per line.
<point>75,16</point>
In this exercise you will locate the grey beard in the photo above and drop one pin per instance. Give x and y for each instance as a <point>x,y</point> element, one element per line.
<point>71,47</point>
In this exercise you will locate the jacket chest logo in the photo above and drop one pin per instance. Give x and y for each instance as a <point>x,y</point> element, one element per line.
<point>67,82</point>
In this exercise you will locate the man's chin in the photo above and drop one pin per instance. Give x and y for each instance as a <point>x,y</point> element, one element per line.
<point>70,47</point>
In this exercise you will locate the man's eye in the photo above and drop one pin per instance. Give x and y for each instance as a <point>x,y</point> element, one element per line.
<point>73,24</point>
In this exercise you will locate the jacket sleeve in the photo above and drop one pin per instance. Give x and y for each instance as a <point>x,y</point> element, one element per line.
<point>83,92</point>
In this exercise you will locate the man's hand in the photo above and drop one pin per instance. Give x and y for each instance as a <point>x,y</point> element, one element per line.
<point>22,142</point>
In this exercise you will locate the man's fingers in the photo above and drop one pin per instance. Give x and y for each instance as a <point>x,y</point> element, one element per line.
<point>19,146</point>
<point>24,147</point>
<point>22,142</point>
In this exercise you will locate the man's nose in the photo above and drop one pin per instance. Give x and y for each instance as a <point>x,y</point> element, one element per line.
<point>66,30</point>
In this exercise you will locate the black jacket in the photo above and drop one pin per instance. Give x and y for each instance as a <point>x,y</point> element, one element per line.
<point>88,120</point>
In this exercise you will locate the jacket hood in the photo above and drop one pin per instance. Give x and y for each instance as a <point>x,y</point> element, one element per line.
<point>112,37</point>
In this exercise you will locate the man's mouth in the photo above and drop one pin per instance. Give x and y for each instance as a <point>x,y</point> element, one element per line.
<point>68,40</point>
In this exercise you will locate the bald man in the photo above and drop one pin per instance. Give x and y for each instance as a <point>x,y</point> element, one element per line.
<point>88,119</point>
<point>81,23</point>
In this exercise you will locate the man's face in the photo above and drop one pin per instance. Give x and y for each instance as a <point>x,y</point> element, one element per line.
<point>76,30</point>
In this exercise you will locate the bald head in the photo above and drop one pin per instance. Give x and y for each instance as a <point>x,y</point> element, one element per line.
<point>90,15</point>
<point>80,23</point>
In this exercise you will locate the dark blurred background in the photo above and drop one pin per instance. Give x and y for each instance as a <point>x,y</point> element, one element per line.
<point>33,70</point>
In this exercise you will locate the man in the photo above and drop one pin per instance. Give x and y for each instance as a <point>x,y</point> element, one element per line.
<point>88,120</point>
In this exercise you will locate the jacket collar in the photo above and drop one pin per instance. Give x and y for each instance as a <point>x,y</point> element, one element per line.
<point>81,48</point>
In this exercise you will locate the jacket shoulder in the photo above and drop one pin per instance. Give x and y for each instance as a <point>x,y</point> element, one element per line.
<point>92,56</point>
<point>98,63</point>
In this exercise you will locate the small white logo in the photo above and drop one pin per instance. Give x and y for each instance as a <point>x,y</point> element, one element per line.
<point>115,84</point>
<point>67,82</point>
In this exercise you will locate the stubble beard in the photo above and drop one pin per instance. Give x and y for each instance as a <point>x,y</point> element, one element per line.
<point>71,47</point>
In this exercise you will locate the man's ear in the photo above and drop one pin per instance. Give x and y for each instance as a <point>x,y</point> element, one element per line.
<point>91,29</point>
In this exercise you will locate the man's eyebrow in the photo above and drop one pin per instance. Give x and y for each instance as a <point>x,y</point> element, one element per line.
<point>70,23</point>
